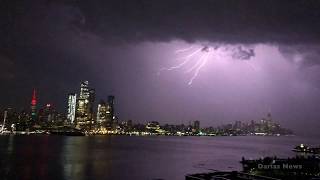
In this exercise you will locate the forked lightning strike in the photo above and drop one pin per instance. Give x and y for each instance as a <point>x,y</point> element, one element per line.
<point>192,55</point>
<point>203,63</point>
<point>198,57</point>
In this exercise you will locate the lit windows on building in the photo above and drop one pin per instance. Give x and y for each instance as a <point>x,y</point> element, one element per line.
<point>84,109</point>
<point>102,113</point>
<point>72,102</point>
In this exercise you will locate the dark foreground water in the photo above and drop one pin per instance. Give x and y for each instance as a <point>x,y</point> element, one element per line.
<point>123,157</point>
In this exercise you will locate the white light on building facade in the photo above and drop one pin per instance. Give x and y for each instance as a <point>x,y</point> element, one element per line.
<point>72,102</point>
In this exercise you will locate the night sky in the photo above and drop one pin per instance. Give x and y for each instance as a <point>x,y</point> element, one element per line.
<point>120,46</point>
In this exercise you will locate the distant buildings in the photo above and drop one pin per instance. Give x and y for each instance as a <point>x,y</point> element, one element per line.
<point>49,117</point>
<point>46,114</point>
<point>81,113</point>
<point>196,127</point>
<point>266,126</point>
<point>154,128</point>
<point>154,125</point>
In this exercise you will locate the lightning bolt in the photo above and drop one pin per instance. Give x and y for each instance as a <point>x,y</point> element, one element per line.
<point>187,59</point>
<point>183,50</point>
<point>203,63</point>
<point>199,64</point>
<point>198,56</point>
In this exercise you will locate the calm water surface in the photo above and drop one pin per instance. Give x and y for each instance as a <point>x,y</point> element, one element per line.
<point>123,157</point>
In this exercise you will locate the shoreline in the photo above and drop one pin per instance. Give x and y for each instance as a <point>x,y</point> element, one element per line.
<point>46,133</point>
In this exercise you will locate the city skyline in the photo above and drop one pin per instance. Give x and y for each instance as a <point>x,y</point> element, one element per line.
<point>81,117</point>
<point>252,58</point>
<point>82,111</point>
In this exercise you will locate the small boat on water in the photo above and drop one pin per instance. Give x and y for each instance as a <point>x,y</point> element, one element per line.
<point>301,148</point>
<point>306,149</point>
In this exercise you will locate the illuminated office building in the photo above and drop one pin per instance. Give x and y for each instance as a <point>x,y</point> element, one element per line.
<point>102,114</point>
<point>84,109</point>
<point>84,90</point>
<point>72,103</point>
<point>92,96</point>
<point>110,109</point>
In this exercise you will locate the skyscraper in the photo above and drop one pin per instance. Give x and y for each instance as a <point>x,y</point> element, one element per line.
<point>84,90</point>
<point>110,110</point>
<point>92,96</point>
<point>34,105</point>
<point>72,103</point>
<point>102,114</point>
<point>84,109</point>
<point>82,104</point>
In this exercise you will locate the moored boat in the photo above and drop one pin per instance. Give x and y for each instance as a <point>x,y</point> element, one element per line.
<point>306,149</point>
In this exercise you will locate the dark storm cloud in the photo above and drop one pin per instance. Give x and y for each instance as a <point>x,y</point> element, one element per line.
<point>304,55</point>
<point>66,31</point>
<point>128,21</point>
<point>229,21</point>
<point>243,54</point>
<point>282,23</point>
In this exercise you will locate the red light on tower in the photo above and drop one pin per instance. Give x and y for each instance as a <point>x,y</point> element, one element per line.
<point>34,99</point>
<point>34,105</point>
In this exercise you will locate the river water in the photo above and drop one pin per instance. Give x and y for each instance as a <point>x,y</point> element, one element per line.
<point>130,157</point>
